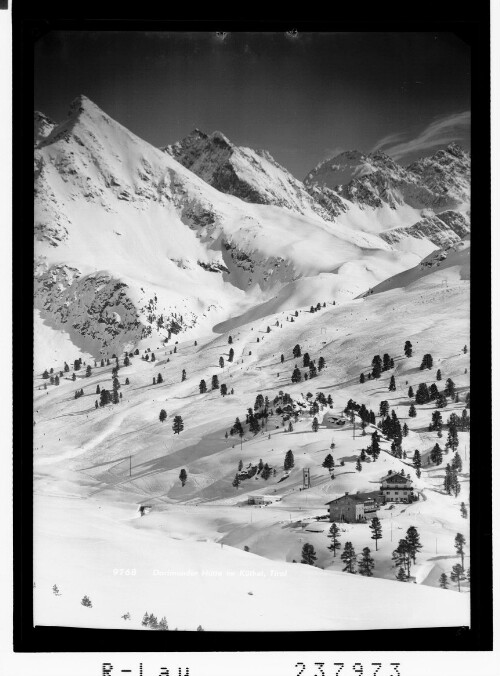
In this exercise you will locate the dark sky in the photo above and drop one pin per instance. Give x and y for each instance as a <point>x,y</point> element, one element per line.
<point>304,99</point>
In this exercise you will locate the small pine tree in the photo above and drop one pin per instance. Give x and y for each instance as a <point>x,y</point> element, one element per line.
<point>333,534</point>
<point>457,574</point>
<point>203,387</point>
<point>315,425</point>
<point>438,374</point>
<point>282,358</point>
<point>359,466</point>
<point>236,481</point>
<point>289,461</point>
<point>215,383</point>
<point>463,510</point>
<point>86,602</point>
<point>231,355</point>
<point>401,576</point>
<point>392,384</point>
<point>412,411</point>
<point>308,554</point>
<point>459,546</point>
<point>163,415</point>
<point>178,425</point>
<point>443,581</point>
<point>348,556</point>
<point>362,378</point>
<point>410,392</point>
<point>376,528</point>
<point>221,362</point>
<point>230,340</point>
<point>408,349</point>
<point>328,462</point>
<point>296,351</point>
<point>223,389</point>
<point>366,564</point>
<point>183,476</point>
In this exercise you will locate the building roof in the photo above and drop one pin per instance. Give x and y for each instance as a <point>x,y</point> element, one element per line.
<point>399,475</point>
<point>356,498</point>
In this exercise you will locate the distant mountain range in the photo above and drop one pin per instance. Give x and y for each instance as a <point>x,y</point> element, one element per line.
<point>136,243</point>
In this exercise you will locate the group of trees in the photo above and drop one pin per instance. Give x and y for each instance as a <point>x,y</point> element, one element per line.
<point>406,552</point>
<point>451,482</point>
<point>458,573</point>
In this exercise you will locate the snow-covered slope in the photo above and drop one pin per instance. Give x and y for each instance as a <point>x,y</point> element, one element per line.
<point>133,246</point>
<point>185,559</point>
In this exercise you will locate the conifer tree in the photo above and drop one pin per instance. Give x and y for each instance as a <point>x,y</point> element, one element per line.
<point>412,411</point>
<point>359,467</point>
<point>321,363</point>
<point>366,564</point>
<point>438,374</point>
<point>362,378</point>
<point>405,430</point>
<point>401,575</point>
<point>433,392</point>
<point>328,462</point>
<point>282,358</point>
<point>183,477</point>
<point>413,540</point>
<point>308,554</point>
<point>231,355</point>
<point>163,415</point>
<point>315,425</point>
<point>86,602</point>
<point>236,481</point>
<point>296,351</point>
<point>203,387</point>
<point>410,392</point>
<point>449,389</point>
<point>289,461</point>
<point>436,455</point>
<point>215,383</point>
<point>437,422</point>
<point>457,574</point>
<point>376,529</point>
<point>426,362</point>
<point>452,441</point>
<point>178,425</point>
<point>402,557</point>
<point>408,349</point>
<point>98,390</point>
<point>392,384</point>
<point>230,340</point>
<point>422,396</point>
<point>348,556</point>
<point>306,359</point>
<point>223,389</point>
<point>417,460</point>
<point>334,534</point>
<point>443,581</point>
<point>384,408</point>
<point>459,546</point>
<point>296,375</point>
<point>463,510</point>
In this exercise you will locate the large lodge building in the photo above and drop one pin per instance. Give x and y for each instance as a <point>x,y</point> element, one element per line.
<point>351,508</point>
